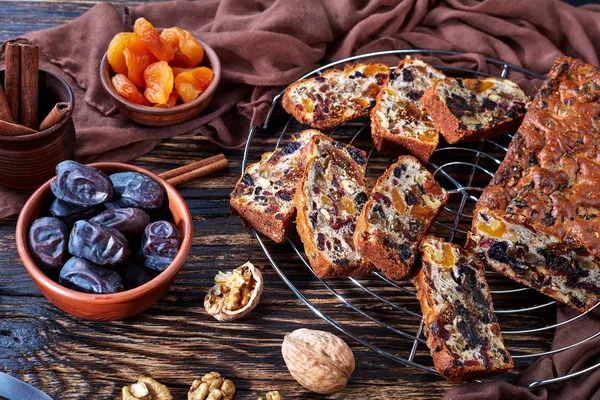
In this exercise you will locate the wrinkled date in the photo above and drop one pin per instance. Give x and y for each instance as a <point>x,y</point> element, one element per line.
<point>129,221</point>
<point>136,190</point>
<point>48,242</point>
<point>135,275</point>
<point>71,213</point>
<point>85,276</point>
<point>81,185</point>
<point>101,245</point>
<point>160,245</point>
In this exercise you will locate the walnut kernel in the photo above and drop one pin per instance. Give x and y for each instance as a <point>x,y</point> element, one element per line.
<point>274,395</point>
<point>235,293</point>
<point>146,388</point>
<point>211,387</point>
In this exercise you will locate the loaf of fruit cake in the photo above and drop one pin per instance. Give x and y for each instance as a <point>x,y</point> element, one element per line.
<point>458,315</point>
<point>330,196</point>
<point>471,109</point>
<point>399,120</point>
<point>538,220</point>
<point>263,196</point>
<point>335,95</point>
<point>403,205</point>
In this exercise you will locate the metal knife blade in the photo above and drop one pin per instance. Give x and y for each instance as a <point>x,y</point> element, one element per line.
<point>14,389</point>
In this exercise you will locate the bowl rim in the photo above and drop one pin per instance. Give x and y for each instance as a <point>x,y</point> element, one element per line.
<point>41,279</point>
<point>215,64</point>
<point>54,128</point>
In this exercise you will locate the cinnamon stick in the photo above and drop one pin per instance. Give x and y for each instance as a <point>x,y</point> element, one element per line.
<point>29,85</point>
<point>12,78</point>
<point>192,166</point>
<point>8,128</point>
<point>4,108</point>
<point>55,115</point>
<point>197,173</point>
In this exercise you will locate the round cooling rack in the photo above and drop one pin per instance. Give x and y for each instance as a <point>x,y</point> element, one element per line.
<point>384,315</point>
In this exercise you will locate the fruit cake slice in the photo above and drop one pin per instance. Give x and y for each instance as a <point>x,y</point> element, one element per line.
<point>335,96</point>
<point>263,196</point>
<point>471,109</point>
<point>461,328</point>
<point>329,199</point>
<point>404,202</point>
<point>538,221</point>
<point>399,120</point>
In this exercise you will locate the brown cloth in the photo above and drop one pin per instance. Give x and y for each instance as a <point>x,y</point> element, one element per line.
<point>264,45</point>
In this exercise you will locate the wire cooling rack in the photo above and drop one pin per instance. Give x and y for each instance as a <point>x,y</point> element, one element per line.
<point>384,315</point>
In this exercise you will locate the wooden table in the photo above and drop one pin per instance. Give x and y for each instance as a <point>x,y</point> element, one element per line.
<point>175,341</point>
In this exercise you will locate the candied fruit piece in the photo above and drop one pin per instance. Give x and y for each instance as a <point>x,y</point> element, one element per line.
<point>308,105</point>
<point>346,204</point>
<point>127,89</point>
<point>191,84</point>
<point>373,69</point>
<point>173,97</point>
<point>115,55</point>
<point>137,58</point>
<point>159,82</point>
<point>188,51</point>
<point>153,41</point>
<point>398,201</point>
<point>443,255</point>
<point>493,228</point>
<point>484,85</point>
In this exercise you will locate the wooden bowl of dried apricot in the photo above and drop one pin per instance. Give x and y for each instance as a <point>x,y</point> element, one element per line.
<point>159,78</point>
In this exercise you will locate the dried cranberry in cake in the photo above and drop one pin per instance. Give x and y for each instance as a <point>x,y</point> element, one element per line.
<point>471,109</point>
<point>399,120</point>
<point>404,203</point>
<point>327,217</point>
<point>461,328</point>
<point>537,221</point>
<point>335,96</point>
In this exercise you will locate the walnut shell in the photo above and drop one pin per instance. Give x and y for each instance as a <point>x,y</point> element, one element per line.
<point>221,306</point>
<point>318,360</point>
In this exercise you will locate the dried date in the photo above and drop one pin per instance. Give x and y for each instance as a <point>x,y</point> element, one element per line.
<point>99,244</point>
<point>71,213</point>
<point>160,245</point>
<point>85,276</point>
<point>129,221</point>
<point>135,275</point>
<point>81,185</point>
<point>48,243</point>
<point>136,190</point>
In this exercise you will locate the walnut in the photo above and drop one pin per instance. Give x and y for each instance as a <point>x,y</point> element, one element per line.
<point>146,388</point>
<point>235,294</point>
<point>211,387</point>
<point>274,395</point>
<point>318,360</point>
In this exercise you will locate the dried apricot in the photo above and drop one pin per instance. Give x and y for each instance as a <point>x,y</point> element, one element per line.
<point>173,97</point>
<point>159,82</point>
<point>115,55</point>
<point>137,58</point>
<point>188,51</point>
<point>153,41</point>
<point>127,89</point>
<point>192,83</point>
<point>178,70</point>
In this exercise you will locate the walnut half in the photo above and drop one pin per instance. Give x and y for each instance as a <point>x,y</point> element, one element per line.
<point>211,387</point>
<point>235,293</point>
<point>146,388</point>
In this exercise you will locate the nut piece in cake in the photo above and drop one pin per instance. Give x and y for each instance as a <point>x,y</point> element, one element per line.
<point>461,328</point>
<point>404,203</point>
<point>335,96</point>
<point>471,109</point>
<point>399,120</point>
<point>537,221</point>
<point>235,293</point>
<point>329,199</point>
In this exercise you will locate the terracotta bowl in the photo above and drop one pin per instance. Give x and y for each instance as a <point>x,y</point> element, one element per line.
<point>158,116</point>
<point>28,161</point>
<point>105,307</point>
